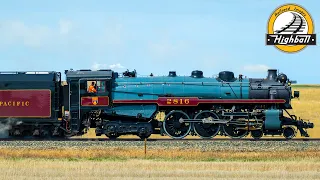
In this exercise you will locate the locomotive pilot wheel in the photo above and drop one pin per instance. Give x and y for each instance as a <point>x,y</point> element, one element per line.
<point>289,132</point>
<point>173,126</point>
<point>206,130</point>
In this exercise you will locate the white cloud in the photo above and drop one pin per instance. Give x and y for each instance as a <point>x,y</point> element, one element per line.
<point>118,66</point>
<point>256,68</point>
<point>19,32</point>
<point>97,66</point>
<point>65,26</point>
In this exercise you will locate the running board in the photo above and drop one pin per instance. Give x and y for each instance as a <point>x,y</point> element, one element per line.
<point>218,121</point>
<point>242,114</point>
<point>202,121</point>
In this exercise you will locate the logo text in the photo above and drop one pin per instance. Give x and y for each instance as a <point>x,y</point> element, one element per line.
<point>291,39</point>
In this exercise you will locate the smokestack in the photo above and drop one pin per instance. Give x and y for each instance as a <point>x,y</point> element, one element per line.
<point>272,74</point>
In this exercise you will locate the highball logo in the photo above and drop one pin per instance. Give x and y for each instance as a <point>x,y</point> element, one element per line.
<point>290,28</point>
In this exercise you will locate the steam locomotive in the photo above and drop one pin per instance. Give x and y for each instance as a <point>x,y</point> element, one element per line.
<point>40,104</point>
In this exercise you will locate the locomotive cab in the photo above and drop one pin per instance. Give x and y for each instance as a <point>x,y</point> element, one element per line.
<point>83,105</point>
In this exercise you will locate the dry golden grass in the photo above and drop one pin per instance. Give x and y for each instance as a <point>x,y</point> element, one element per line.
<point>159,163</point>
<point>146,169</point>
<point>123,153</point>
<point>307,107</point>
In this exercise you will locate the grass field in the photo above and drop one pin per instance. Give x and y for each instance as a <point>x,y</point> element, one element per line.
<point>164,160</point>
<point>125,154</point>
<point>147,169</point>
<point>307,107</point>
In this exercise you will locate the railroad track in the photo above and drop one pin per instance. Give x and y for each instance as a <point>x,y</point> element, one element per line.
<point>159,139</point>
<point>296,25</point>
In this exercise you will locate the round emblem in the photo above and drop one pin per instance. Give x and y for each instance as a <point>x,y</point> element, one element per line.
<point>290,28</point>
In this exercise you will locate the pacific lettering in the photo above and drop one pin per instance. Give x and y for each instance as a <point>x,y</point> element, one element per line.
<point>14,103</point>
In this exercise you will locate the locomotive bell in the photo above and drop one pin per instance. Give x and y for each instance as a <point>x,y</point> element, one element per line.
<point>272,74</point>
<point>282,78</point>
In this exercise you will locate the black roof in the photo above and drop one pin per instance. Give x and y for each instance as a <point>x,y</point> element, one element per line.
<point>29,76</point>
<point>89,74</point>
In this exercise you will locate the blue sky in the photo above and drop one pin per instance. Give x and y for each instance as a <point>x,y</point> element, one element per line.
<point>150,36</point>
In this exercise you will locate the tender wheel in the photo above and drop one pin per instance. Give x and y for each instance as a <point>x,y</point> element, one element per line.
<point>98,131</point>
<point>174,127</point>
<point>112,136</point>
<point>144,133</point>
<point>256,134</point>
<point>144,136</point>
<point>206,130</point>
<point>234,131</point>
<point>289,132</point>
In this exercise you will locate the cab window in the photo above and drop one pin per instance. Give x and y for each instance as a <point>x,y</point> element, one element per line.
<point>99,86</point>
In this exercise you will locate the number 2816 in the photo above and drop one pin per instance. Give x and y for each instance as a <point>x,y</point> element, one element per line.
<point>178,101</point>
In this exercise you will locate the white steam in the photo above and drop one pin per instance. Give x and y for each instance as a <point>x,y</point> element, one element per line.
<point>6,125</point>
